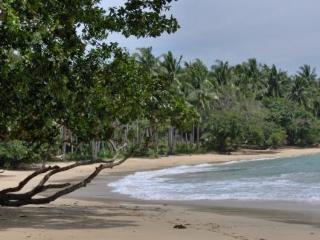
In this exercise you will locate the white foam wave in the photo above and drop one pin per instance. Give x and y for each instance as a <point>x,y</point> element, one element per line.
<point>175,184</point>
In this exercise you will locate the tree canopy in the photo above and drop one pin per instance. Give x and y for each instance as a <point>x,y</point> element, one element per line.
<point>57,70</point>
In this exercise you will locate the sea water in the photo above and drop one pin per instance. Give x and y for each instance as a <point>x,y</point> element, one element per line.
<point>287,179</point>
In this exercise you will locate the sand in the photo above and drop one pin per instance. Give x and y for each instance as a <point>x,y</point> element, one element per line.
<point>94,217</point>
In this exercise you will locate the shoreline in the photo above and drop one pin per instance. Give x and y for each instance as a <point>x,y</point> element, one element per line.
<point>94,213</point>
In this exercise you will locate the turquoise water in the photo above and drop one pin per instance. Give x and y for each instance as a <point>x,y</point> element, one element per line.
<point>287,179</point>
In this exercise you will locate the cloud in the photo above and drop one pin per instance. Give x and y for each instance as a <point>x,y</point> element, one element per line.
<point>283,32</point>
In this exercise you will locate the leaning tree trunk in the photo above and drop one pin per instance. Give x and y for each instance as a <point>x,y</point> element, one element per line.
<point>13,198</point>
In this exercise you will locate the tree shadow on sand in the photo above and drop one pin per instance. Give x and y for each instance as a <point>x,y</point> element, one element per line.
<point>66,217</point>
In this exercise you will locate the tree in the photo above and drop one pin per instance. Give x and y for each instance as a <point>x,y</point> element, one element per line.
<point>300,91</point>
<point>276,79</point>
<point>202,92</point>
<point>304,86</point>
<point>249,78</point>
<point>222,72</point>
<point>170,68</point>
<point>57,70</point>
<point>307,73</point>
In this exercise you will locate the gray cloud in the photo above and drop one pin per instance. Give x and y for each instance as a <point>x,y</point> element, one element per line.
<point>283,32</point>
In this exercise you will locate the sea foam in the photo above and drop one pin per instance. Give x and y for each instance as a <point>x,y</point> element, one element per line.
<point>291,179</point>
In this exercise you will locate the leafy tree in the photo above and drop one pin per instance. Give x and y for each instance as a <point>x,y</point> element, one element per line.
<point>57,70</point>
<point>224,131</point>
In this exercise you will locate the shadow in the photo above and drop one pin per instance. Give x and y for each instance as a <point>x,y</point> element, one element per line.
<point>275,215</point>
<point>66,217</point>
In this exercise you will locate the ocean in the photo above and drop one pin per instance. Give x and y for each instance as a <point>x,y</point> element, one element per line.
<point>284,179</point>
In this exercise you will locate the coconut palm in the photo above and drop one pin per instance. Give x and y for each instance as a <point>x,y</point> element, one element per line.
<point>170,68</point>
<point>299,91</point>
<point>249,78</point>
<point>222,72</point>
<point>304,86</point>
<point>203,90</point>
<point>307,73</point>
<point>276,80</point>
<point>145,57</point>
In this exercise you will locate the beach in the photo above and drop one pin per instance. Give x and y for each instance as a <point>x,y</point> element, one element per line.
<point>96,213</point>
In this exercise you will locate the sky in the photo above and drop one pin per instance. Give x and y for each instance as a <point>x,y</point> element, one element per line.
<point>281,32</point>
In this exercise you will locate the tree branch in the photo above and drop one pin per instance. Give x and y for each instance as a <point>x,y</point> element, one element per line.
<point>7,198</point>
<point>28,179</point>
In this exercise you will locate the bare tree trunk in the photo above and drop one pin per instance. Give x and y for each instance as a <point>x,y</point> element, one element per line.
<point>192,135</point>
<point>198,135</point>
<point>95,148</point>
<point>174,138</point>
<point>63,135</point>
<point>137,133</point>
<point>156,139</point>
<point>170,139</point>
<point>71,141</point>
<point>45,158</point>
<point>126,130</point>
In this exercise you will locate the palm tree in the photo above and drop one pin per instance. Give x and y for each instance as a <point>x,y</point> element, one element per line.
<point>170,68</point>
<point>203,93</point>
<point>222,72</point>
<point>150,63</point>
<point>299,91</point>
<point>307,73</point>
<point>145,57</point>
<point>276,79</point>
<point>305,85</point>
<point>249,78</point>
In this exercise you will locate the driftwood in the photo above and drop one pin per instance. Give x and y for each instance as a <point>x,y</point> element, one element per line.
<point>11,197</point>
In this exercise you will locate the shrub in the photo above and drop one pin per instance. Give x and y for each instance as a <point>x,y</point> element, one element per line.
<point>12,153</point>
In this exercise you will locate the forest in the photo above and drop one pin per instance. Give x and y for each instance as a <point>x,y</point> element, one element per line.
<point>67,93</point>
<point>195,109</point>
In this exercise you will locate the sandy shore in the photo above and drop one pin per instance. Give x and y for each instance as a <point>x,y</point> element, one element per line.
<point>120,218</point>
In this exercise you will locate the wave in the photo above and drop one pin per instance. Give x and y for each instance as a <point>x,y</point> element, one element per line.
<point>245,180</point>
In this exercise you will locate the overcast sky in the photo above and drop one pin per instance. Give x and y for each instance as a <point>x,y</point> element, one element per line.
<point>283,32</point>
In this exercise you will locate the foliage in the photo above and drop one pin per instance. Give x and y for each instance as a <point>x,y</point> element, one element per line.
<point>58,71</point>
<point>224,131</point>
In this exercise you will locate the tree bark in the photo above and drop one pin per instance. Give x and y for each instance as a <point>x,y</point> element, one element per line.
<point>10,197</point>
<point>198,136</point>
<point>170,139</point>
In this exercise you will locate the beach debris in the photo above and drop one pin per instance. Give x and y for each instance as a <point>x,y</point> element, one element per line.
<point>179,226</point>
